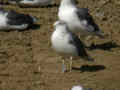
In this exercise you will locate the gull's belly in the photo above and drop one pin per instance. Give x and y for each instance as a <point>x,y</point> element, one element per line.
<point>71,19</point>
<point>3,22</point>
<point>62,46</point>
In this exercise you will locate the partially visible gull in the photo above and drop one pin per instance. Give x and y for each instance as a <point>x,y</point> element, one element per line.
<point>14,20</point>
<point>67,43</point>
<point>78,87</point>
<point>78,19</point>
<point>33,3</point>
<point>13,1</point>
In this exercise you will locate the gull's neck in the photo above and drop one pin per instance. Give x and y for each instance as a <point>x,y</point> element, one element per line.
<point>62,30</point>
<point>67,3</point>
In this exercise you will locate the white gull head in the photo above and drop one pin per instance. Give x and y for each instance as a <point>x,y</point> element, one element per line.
<point>78,19</point>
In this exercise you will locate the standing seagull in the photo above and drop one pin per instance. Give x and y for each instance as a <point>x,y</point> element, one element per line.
<point>68,44</point>
<point>78,87</point>
<point>13,20</point>
<point>32,3</point>
<point>78,19</point>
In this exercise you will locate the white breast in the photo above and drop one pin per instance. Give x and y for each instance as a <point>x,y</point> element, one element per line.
<point>68,15</point>
<point>61,44</point>
<point>3,21</point>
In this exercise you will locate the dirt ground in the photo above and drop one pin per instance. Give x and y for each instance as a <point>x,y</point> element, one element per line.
<point>27,61</point>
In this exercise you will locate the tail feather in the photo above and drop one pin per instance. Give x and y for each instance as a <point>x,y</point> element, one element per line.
<point>34,19</point>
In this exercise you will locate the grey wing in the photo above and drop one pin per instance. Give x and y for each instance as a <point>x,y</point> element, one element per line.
<point>83,15</point>
<point>15,18</point>
<point>80,47</point>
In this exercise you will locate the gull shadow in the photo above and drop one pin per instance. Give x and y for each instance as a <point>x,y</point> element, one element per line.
<point>34,26</point>
<point>50,6</point>
<point>105,46</point>
<point>53,5</point>
<point>90,68</point>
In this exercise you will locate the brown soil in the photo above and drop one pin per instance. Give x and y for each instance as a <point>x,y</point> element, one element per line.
<point>27,61</point>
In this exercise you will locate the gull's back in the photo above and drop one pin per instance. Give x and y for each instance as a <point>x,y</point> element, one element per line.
<point>15,18</point>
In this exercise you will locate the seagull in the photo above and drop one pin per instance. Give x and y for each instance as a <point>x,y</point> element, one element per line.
<point>33,3</point>
<point>14,20</point>
<point>78,87</point>
<point>78,19</point>
<point>67,44</point>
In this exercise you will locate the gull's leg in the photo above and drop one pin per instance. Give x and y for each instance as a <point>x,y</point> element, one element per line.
<point>63,65</point>
<point>71,58</point>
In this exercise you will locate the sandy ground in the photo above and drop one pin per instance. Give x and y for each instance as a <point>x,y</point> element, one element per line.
<point>27,61</point>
